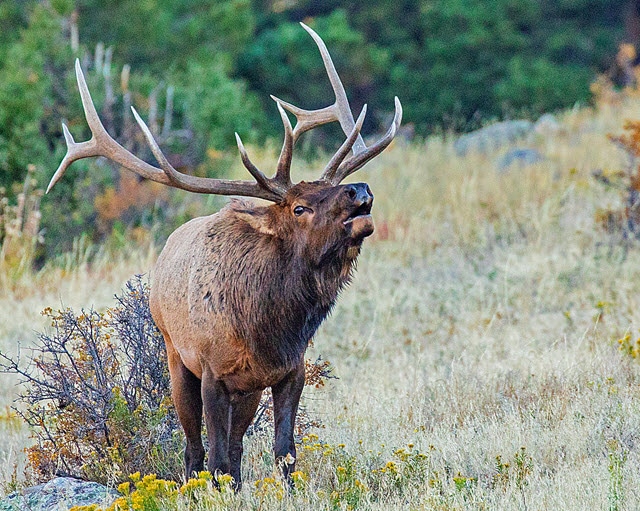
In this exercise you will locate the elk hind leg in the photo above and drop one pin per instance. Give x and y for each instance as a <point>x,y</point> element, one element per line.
<point>187,399</point>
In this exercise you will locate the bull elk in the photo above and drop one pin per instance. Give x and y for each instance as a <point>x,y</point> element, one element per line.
<point>239,294</point>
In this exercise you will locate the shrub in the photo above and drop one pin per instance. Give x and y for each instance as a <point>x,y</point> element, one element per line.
<point>97,395</point>
<point>625,220</point>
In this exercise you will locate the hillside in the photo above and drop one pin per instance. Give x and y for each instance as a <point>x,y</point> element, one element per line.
<point>481,331</point>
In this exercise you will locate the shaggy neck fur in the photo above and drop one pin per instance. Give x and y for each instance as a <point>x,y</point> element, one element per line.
<point>278,295</point>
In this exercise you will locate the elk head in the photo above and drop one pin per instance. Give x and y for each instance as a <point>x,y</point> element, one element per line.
<point>239,294</point>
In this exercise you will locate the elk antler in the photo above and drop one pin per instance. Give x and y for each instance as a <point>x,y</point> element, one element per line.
<point>273,189</point>
<point>337,169</point>
<point>102,144</point>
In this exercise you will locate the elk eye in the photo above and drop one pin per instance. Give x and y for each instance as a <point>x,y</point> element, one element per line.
<point>298,210</point>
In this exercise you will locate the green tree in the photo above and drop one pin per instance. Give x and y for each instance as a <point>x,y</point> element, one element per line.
<point>218,106</point>
<point>191,44</point>
<point>30,105</point>
<point>453,61</point>
<point>163,36</point>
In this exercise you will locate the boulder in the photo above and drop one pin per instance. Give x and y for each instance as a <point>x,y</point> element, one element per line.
<point>59,494</point>
<point>492,137</point>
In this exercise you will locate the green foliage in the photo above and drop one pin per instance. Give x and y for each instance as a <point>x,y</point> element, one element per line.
<point>465,49</point>
<point>514,474</point>
<point>27,100</point>
<point>629,347</point>
<point>538,85</point>
<point>617,460</point>
<point>452,62</point>
<point>212,99</point>
<point>13,19</point>
<point>178,32</point>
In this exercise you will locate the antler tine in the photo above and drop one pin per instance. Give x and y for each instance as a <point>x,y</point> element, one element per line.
<point>330,170</point>
<point>338,111</point>
<point>183,181</point>
<point>307,119</point>
<point>75,152</point>
<point>194,184</point>
<point>101,144</point>
<point>341,106</point>
<point>253,170</point>
<point>283,170</point>
<point>356,161</point>
<point>170,172</point>
<point>337,169</point>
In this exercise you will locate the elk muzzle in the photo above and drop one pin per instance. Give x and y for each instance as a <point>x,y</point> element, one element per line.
<point>359,223</point>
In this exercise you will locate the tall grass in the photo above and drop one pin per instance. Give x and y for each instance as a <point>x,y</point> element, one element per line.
<point>481,328</point>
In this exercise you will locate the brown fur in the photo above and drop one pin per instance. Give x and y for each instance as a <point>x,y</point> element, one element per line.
<point>238,295</point>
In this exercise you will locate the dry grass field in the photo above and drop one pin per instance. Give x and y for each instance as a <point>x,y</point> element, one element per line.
<point>477,349</point>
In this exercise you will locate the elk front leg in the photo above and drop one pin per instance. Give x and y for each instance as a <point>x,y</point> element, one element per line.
<point>217,409</point>
<point>185,392</point>
<point>243,408</point>
<point>286,396</point>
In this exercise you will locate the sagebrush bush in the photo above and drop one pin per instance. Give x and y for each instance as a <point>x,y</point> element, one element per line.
<point>97,394</point>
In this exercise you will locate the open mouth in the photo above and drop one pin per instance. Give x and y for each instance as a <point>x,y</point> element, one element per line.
<point>359,224</point>
<point>361,211</point>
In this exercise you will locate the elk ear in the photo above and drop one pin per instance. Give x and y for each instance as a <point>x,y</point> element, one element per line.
<point>257,217</point>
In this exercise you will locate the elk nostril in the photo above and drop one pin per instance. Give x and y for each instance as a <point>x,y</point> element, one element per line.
<point>352,192</point>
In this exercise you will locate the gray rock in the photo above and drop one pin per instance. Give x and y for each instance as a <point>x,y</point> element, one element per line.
<point>59,494</point>
<point>519,157</point>
<point>492,137</point>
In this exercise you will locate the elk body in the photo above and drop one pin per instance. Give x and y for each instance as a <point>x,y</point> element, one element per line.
<point>239,294</point>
